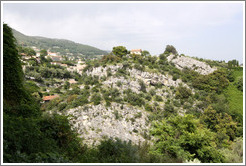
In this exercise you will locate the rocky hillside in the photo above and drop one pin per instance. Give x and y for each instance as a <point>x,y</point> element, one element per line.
<point>182,61</point>
<point>121,108</point>
<point>117,121</point>
<point>145,100</point>
<point>129,98</point>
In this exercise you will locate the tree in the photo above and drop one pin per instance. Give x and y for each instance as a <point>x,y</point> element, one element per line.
<point>170,49</point>
<point>233,63</point>
<point>220,123</point>
<point>120,51</point>
<point>43,52</point>
<point>145,53</point>
<point>66,85</point>
<point>183,92</point>
<point>216,81</point>
<point>13,77</point>
<point>184,137</point>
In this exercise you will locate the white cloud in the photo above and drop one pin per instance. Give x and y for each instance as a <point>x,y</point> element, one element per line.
<point>146,26</point>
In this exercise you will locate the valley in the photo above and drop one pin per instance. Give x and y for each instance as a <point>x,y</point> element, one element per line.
<point>120,107</point>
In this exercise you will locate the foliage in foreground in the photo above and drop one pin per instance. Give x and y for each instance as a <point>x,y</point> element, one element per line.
<point>185,138</point>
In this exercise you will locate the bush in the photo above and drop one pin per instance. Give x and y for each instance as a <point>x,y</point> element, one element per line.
<point>183,92</point>
<point>142,86</point>
<point>62,106</point>
<point>134,99</point>
<point>169,110</point>
<point>185,138</point>
<point>239,84</point>
<point>158,98</point>
<point>170,49</point>
<point>148,108</point>
<point>148,97</point>
<point>139,67</point>
<point>110,151</point>
<point>152,92</point>
<point>234,153</point>
<point>96,99</point>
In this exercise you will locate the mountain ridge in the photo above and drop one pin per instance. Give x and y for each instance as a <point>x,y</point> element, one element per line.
<point>57,45</point>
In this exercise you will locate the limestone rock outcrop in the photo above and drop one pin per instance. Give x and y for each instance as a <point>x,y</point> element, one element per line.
<point>182,61</point>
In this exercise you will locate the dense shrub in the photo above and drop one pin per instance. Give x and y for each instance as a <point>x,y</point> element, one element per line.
<point>158,98</point>
<point>185,138</point>
<point>96,98</point>
<point>142,86</point>
<point>170,49</point>
<point>216,81</point>
<point>183,92</point>
<point>239,83</point>
<point>134,99</point>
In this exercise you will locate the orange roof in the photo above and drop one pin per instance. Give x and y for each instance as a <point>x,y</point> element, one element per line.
<point>136,50</point>
<point>45,98</point>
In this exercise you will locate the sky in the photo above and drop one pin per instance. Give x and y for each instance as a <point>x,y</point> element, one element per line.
<point>205,30</point>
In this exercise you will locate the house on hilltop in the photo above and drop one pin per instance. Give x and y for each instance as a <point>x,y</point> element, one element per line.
<point>136,51</point>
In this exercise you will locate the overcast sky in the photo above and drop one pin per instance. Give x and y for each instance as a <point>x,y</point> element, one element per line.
<point>206,30</point>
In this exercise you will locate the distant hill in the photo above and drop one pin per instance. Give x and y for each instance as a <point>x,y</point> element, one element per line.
<point>57,45</point>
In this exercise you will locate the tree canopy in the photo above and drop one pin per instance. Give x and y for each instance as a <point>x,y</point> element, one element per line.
<point>120,51</point>
<point>171,49</point>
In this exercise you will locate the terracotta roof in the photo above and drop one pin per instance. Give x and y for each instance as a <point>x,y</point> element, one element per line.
<point>45,98</point>
<point>136,50</point>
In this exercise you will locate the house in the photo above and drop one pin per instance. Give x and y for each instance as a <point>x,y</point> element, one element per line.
<point>56,58</point>
<point>63,65</point>
<point>55,63</point>
<point>72,81</point>
<point>52,54</point>
<point>48,98</point>
<point>136,51</point>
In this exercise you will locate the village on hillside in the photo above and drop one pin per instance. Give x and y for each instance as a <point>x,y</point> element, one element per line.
<point>76,65</point>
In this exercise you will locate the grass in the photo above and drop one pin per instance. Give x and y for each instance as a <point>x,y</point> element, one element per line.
<point>235,98</point>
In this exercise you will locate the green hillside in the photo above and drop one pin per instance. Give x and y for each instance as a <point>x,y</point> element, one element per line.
<point>235,96</point>
<point>121,108</point>
<point>57,45</point>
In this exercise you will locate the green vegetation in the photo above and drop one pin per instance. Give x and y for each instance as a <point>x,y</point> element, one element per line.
<point>29,136</point>
<point>170,49</point>
<point>119,51</point>
<point>58,45</point>
<point>235,96</point>
<point>200,120</point>
<point>185,138</point>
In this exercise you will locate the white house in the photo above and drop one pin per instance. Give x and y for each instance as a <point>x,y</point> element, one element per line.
<point>52,54</point>
<point>136,51</point>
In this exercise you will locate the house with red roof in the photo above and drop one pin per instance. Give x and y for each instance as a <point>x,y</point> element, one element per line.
<point>48,98</point>
<point>136,51</point>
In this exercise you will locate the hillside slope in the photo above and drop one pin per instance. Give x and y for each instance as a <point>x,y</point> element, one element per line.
<point>135,108</point>
<point>57,45</point>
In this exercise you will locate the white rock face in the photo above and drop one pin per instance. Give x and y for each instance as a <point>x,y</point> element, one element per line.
<point>102,71</point>
<point>154,78</point>
<point>126,83</point>
<point>181,61</point>
<point>95,122</point>
<point>146,77</point>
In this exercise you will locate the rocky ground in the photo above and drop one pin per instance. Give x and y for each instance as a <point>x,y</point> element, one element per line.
<point>94,122</point>
<point>182,61</point>
<point>123,121</point>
